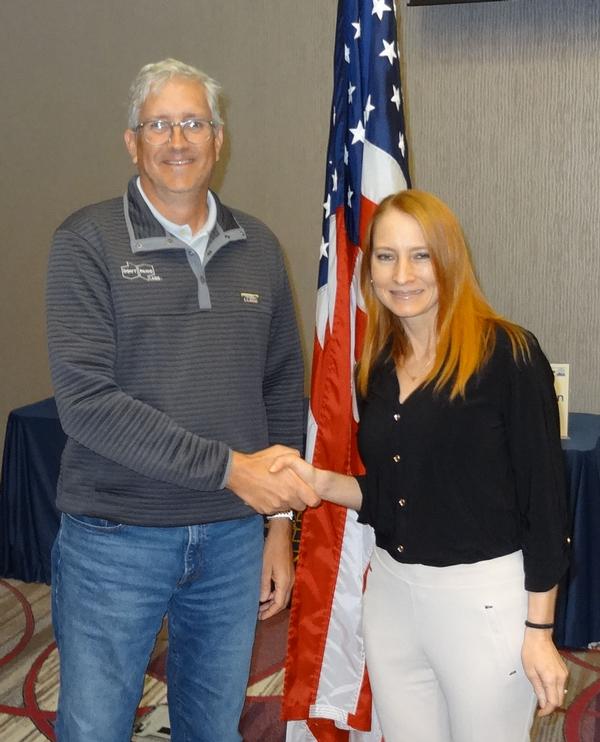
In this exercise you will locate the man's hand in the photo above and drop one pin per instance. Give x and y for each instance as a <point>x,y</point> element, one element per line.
<point>278,569</point>
<point>267,492</point>
<point>327,485</point>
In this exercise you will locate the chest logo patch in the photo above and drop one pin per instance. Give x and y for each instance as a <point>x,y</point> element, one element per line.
<point>248,298</point>
<point>145,271</point>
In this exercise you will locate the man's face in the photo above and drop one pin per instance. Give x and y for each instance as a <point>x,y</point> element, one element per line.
<point>176,169</point>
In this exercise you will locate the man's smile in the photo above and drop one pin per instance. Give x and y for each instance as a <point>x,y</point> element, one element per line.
<point>178,162</point>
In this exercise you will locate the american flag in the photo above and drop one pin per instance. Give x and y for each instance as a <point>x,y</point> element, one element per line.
<point>326,687</point>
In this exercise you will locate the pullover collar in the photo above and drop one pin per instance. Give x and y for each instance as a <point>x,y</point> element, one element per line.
<point>146,234</point>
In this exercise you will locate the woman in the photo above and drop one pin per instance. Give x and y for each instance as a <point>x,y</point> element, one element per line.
<point>464,488</point>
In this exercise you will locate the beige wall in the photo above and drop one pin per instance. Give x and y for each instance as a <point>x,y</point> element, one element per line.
<point>503,106</point>
<point>502,102</point>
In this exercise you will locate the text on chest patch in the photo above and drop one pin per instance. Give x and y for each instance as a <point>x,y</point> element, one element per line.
<point>130,271</point>
<point>249,298</point>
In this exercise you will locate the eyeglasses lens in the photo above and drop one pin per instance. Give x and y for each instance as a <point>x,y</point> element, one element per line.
<point>195,131</point>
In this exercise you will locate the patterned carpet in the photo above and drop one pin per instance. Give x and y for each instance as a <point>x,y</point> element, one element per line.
<point>29,672</point>
<point>29,679</point>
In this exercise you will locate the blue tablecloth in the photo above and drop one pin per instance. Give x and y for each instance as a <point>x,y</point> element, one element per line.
<point>29,520</point>
<point>28,517</point>
<point>578,609</point>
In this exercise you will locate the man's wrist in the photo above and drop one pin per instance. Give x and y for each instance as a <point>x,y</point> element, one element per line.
<point>279,529</point>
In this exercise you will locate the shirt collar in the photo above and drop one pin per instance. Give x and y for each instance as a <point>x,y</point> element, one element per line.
<point>183,231</point>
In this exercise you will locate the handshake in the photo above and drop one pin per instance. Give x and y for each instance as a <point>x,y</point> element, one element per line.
<point>277,479</point>
<point>274,480</point>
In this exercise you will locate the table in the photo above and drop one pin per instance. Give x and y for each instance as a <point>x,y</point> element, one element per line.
<point>29,519</point>
<point>578,610</point>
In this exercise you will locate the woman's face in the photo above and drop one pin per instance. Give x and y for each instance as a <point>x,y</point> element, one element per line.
<point>401,268</point>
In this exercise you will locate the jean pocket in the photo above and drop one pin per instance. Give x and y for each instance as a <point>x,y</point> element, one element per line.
<point>91,523</point>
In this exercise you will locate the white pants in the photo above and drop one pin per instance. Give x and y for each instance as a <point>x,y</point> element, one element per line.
<point>443,649</point>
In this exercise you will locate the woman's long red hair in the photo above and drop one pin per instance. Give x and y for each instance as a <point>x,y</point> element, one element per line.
<point>466,323</point>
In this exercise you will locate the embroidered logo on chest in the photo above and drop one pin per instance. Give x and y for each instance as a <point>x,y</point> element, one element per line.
<point>145,271</point>
<point>249,298</point>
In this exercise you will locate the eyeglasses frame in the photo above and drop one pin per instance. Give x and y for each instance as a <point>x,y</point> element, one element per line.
<point>172,124</point>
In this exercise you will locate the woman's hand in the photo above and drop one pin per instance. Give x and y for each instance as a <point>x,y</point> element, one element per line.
<point>307,472</point>
<point>328,485</point>
<point>545,669</point>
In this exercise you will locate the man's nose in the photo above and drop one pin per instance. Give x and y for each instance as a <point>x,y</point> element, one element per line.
<point>177,138</point>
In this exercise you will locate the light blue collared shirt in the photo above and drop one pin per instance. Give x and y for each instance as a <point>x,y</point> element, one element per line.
<point>183,232</point>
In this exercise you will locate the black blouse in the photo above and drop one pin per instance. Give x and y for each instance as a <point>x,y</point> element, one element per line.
<point>461,481</point>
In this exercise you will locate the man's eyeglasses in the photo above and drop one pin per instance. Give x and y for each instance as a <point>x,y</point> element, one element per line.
<point>160,131</point>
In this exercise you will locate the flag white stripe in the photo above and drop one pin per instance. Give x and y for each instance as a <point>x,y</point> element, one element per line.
<point>311,436</point>
<point>297,731</point>
<point>381,174</point>
<point>322,314</point>
<point>344,657</point>
<point>356,301</point>
<point>332,270</point>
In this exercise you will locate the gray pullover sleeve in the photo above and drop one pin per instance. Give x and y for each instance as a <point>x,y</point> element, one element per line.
<point>93,410</point>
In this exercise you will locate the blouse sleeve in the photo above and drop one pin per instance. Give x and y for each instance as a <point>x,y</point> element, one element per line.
<point>364,513</point>
<point>537,460</point>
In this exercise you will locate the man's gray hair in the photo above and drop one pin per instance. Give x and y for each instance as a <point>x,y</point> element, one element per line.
<point>153,76</point>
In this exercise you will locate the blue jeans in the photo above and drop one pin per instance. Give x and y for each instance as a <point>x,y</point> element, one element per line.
<point>111,586</point>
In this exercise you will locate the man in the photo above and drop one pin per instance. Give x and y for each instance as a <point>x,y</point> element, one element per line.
<point>177,368</point>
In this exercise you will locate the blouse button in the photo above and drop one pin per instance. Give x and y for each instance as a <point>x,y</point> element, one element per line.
<point>396,458</point>
<point>396,416</point>
<point>400,548</point>
<point>402,502</point>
